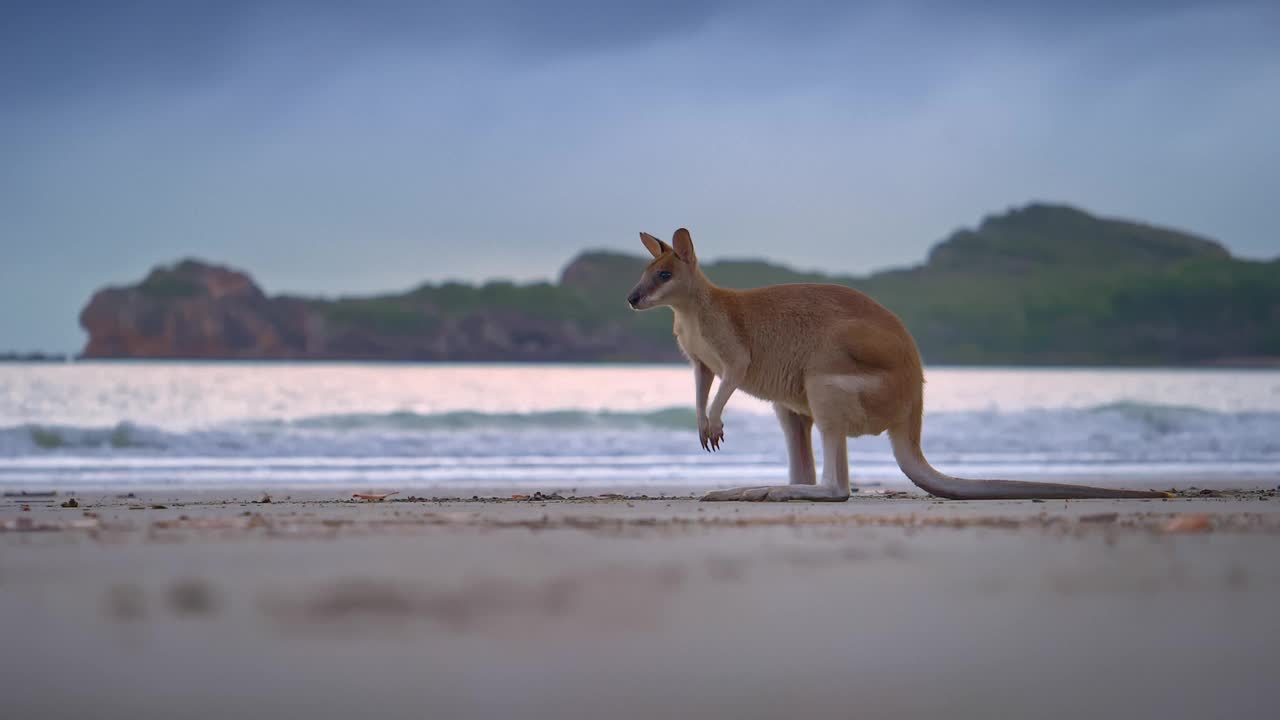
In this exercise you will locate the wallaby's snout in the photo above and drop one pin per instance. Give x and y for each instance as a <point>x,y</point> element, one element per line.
<point>642,296</point>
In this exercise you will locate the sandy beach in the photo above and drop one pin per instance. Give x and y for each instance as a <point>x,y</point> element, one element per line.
<point>621,606</point>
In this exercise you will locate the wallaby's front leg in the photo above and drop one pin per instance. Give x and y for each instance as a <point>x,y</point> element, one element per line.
<point>734,373</point>
<point>702,377</point>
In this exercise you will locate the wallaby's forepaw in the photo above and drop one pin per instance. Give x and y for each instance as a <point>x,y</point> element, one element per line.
<point>776,493</point>
<point>710,434</point>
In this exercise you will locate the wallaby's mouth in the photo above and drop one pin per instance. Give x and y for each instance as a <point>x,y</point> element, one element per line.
<point>634,300</point>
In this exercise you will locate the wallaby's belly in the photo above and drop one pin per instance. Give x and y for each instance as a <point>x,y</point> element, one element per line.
<point>783,385</point>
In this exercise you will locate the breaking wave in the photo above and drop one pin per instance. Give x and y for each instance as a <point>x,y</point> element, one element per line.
<point>1108,426</point>
<point>351,433</point>
<point>456,448</point>
<point>668,418</point>
<point>120,436</point>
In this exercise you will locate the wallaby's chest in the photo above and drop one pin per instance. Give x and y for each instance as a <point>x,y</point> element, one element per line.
<point>695,343</point>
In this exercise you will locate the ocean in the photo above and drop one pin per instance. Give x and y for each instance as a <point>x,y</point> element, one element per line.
<point>587,428</point>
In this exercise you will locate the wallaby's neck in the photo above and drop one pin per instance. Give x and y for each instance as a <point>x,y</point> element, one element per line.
<point>704,299</point>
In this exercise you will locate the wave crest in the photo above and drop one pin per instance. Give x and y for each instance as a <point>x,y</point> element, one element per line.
<point>54,437</point>
<point>1116,431</point>
<point>674,418</point>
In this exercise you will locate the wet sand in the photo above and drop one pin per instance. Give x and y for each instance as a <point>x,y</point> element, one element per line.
<point>619,607</point>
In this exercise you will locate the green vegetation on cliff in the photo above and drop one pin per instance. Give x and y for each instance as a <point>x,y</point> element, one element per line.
<point>1041,284</point>
<point>1046,284</point>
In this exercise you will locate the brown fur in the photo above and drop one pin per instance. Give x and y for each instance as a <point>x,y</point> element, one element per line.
<point>825,353</point>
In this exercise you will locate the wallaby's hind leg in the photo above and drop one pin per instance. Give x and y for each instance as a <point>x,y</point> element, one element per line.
<point>835,465</point>
<point>835,473</point>
<point>798,431</point>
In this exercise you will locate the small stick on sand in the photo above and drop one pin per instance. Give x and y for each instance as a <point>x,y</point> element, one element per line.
<point>372,497</point>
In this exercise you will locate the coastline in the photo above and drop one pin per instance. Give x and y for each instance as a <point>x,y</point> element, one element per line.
<point>623,607</point>
<point>1263,363</point>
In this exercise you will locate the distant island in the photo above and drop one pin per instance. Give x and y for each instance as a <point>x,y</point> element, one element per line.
<point>1039,285</point>
<point>33,357</point>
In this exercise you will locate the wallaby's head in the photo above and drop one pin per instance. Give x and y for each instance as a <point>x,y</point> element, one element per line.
<point>673,275</point>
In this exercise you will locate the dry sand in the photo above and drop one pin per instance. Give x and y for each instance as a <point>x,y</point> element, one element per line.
<point>618,608</point>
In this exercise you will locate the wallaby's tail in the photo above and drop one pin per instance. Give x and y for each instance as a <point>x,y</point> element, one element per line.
<point>906,450</point>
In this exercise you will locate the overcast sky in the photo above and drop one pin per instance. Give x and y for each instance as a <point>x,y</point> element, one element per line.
<point>350,147</point>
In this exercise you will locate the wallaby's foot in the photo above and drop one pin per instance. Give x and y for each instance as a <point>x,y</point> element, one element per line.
<point>777,493</point>
<point>710,434</point>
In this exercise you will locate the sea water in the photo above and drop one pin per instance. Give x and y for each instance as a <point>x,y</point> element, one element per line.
<point>123,425</point>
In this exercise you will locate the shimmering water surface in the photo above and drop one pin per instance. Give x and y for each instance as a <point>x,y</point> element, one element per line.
<point>207,425</point>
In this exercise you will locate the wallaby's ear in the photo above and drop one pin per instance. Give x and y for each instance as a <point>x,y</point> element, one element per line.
<point>682,241</point>
<point>655,246</point>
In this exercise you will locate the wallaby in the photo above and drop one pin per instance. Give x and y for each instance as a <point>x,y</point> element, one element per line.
<point>824,355</point>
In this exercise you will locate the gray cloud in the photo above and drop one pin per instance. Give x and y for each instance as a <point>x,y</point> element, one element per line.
<point>333,147</point>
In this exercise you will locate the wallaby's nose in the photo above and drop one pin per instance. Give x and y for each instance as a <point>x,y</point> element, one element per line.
<point>633,298</point>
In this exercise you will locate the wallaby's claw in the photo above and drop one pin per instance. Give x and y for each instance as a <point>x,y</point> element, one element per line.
<point>710,434</point>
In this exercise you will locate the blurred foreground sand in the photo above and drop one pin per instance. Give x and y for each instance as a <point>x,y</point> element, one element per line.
<point>619,608</point>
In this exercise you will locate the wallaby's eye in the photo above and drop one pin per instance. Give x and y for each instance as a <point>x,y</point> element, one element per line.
<point>664,275</point>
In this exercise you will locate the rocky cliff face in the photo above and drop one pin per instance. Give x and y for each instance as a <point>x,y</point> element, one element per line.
<point>197,310</point>
<point>193,310</point>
